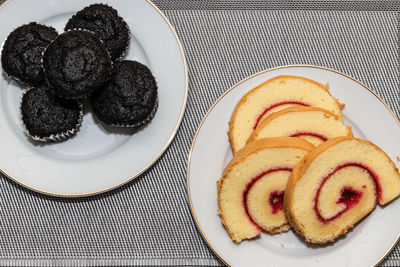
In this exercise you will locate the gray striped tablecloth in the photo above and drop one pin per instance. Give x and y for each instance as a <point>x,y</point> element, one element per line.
<point>148,221</point>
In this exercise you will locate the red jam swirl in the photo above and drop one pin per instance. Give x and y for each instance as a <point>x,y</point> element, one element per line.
<point>274,106</point>
<point>251,183</point>
<point>348,195</point>
<point>323,138</point>
<point>276,200</point>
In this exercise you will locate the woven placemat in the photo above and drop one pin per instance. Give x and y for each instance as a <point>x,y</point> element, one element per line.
<point>148,221</point>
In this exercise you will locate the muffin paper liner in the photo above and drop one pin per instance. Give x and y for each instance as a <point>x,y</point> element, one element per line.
<point>53,137</point>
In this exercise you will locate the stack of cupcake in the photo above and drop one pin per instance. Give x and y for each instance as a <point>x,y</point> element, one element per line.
<point>84,62</point>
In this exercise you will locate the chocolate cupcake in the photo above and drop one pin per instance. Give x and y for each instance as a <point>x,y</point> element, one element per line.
<point>21,56</point>
<point>76,64</point>
<point>129,98</point>
<point>104,21</point>
<point>49,118</point>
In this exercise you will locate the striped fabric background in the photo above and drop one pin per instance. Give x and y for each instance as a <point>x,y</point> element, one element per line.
<point>148,221</point>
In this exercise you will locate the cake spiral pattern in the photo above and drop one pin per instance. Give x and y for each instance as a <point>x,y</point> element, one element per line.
<point>274,95</point>
<point>336,185</point>
<point>250,192</point>
<point>316,125</point>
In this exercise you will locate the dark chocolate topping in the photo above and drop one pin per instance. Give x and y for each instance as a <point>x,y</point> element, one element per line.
<point>129,97</point>
<point>21,57</point>
<point>76,63</point>
<point>104,21</point>
<point>44,114</point>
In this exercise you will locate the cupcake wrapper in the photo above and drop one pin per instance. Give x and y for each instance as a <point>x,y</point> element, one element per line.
<point>108,53</point>
<point>146,120</point>
<point>53,137</point>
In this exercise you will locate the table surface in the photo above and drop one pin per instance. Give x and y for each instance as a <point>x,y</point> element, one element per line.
<point>148,221</point>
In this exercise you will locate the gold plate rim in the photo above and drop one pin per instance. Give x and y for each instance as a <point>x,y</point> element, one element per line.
<point>221,97</point>
<point>169,141</point>
<point>4,3</point>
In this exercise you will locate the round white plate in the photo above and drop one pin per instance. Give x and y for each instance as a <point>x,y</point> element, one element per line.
<point>365,245</point>
<point>98,158</point>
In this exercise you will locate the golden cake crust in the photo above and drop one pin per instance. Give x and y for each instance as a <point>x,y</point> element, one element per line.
<point>297,174</point>
<point>245,97</point>
<point>293,142</point>
<point>283,228</point>
<point>295,108</point>
<point>275,142</point>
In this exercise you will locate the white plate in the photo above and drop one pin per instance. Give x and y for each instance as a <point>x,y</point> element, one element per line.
<point>365,245</point>
<point>98,158</point>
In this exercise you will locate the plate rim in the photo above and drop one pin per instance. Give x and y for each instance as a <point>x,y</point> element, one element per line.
<point>4,3</point>
<point>228,91</point>
<point>160,153</point>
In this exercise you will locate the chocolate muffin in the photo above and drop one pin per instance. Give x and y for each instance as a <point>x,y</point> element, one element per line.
<point>21,56</point>
<point>129,98</point>
<point>76,64</point>
<point>49,118</point>
<point>104,21</point>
